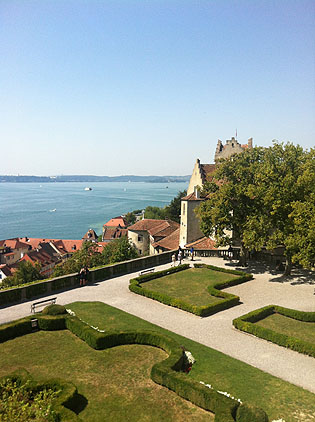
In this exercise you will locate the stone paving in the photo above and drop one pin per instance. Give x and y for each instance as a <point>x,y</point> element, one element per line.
<point>215,331</point>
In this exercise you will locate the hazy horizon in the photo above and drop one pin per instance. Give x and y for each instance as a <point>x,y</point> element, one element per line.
<point>145,88</point>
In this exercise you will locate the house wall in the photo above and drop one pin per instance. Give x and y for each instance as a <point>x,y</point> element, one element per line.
<point>143,246</point>
<point>195,179</point>
<point>189,226</point>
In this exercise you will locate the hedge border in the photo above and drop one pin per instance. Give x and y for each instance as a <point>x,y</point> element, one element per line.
<point>64,401</point>
<point>228,301</point>
<point>166,373</point>
<point>246,323</point>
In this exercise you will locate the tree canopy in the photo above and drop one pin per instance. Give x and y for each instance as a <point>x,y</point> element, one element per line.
<point>265,197</point>
<point>171,211</point>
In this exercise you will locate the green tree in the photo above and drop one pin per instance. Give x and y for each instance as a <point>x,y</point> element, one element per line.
<point>88,255</point>
<point>231,199</point>
<point>155,213</point>
<point>280,183</point>
<point>25,273</point>
<point>119,250</point>
<point>266,197</point>
<point>172,211</point>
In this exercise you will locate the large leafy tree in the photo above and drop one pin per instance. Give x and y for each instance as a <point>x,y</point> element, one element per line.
<point>280,185</point>
<point>231,199</point>
<point>263,195</point>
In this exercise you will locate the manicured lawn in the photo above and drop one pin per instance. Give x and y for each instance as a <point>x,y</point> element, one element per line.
<point>189,285</point>
<point>291,327</point>
<point>278,398</point>
<point>115,382</point>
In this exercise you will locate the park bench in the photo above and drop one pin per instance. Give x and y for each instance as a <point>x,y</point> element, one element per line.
<point>42,302</point>
<point>148,270</point>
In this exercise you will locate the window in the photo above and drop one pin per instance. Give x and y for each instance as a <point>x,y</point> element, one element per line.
<point>140,251</point>
<point>140,238</point>
<point>184,209</point>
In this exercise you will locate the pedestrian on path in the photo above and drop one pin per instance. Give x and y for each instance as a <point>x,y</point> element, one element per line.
<point>180,257</point>
<point>173,260</point>
<point>192,253</point>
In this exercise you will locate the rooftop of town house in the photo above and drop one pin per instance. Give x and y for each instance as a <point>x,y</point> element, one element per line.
<point>116,221</point>
<point>15,243</point>
<point>90,235</point>
<point>204,243</point>
<point>146,224</point>
<point>110,233</point>
<point>169,242</point>
<point>5,269</point>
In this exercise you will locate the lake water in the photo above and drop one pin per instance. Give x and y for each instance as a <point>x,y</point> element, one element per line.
<point>26,209</point>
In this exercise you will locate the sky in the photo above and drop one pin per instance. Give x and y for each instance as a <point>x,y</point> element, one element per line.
<point>112,87</point>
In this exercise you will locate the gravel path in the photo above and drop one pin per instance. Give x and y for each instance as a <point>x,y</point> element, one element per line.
<point>215,331</point>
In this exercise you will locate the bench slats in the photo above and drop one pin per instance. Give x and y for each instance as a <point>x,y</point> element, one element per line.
<point>51,300</point>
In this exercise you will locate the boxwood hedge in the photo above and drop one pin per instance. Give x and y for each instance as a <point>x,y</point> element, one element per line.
<point>167,373</point>
<point>247,323</point>
<point>228,301</point>
<point>65,404</point>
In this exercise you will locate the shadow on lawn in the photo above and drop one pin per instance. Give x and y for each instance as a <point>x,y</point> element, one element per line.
<point>77,404</point>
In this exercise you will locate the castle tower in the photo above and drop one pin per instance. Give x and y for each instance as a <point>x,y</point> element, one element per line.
<point>189,223</point>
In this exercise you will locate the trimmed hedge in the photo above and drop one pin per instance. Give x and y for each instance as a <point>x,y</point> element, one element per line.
<point>54,309</point>
<point>65,403</point>
<point>167,373</point>
<point>11,296</point>
<point>247,323</point>
<point>228,301</point>
<point>15,329</point>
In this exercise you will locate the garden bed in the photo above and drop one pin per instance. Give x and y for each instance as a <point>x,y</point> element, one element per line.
<point>196,290</point>
<point>286,327</point>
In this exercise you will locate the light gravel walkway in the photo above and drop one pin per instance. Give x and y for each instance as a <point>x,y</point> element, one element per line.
<point>215,331</point>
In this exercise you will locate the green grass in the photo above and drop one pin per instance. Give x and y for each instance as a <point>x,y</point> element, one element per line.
<point>115,382</point>
<point>278,398</point>
<point>291,327</point>
<point>189,285</point>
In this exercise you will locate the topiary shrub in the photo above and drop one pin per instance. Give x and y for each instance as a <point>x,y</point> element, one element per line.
<point>54,310</point>
<point>249,413</point>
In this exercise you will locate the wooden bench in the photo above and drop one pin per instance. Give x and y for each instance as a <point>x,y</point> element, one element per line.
<point>42,302</point>
<point>149,270</point>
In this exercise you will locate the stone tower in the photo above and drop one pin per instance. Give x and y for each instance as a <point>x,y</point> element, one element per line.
<point>231,147</point>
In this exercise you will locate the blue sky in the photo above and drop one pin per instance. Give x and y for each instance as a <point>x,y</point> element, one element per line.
<point>146,87</point>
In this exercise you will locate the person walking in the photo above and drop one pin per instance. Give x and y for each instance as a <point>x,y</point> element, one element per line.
<point>173,260</point>
<point>192,253</point>
<point>82,276</point>
<point>180,257</point>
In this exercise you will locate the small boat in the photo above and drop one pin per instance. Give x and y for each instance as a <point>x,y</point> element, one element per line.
<point>54,210</point>
<point>87,188</point>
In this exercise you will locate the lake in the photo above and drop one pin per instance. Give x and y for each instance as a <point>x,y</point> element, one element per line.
<point>67,211</point>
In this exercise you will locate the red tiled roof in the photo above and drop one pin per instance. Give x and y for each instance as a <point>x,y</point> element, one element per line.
<point>205,243</point>
<point>90,235</point>
<point>191,197</point>
<point>206,172</point>
<point>169,242</point>
<point>110,233</point>
<point>5,269</point>
<point>13,243</point>
<point>146,224</point>
<point>116,221</point>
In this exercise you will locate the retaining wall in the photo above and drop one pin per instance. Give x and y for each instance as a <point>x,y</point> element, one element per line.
<point>69,281</point>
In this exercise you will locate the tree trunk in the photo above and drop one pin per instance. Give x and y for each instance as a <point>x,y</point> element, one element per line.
<point>243,256</point>
<point>288,265</point>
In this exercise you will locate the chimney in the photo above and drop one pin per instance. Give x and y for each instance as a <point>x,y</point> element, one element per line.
<point>197,192</point>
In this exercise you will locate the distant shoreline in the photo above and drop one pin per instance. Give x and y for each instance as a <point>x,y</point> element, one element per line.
<point>89,179</point>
